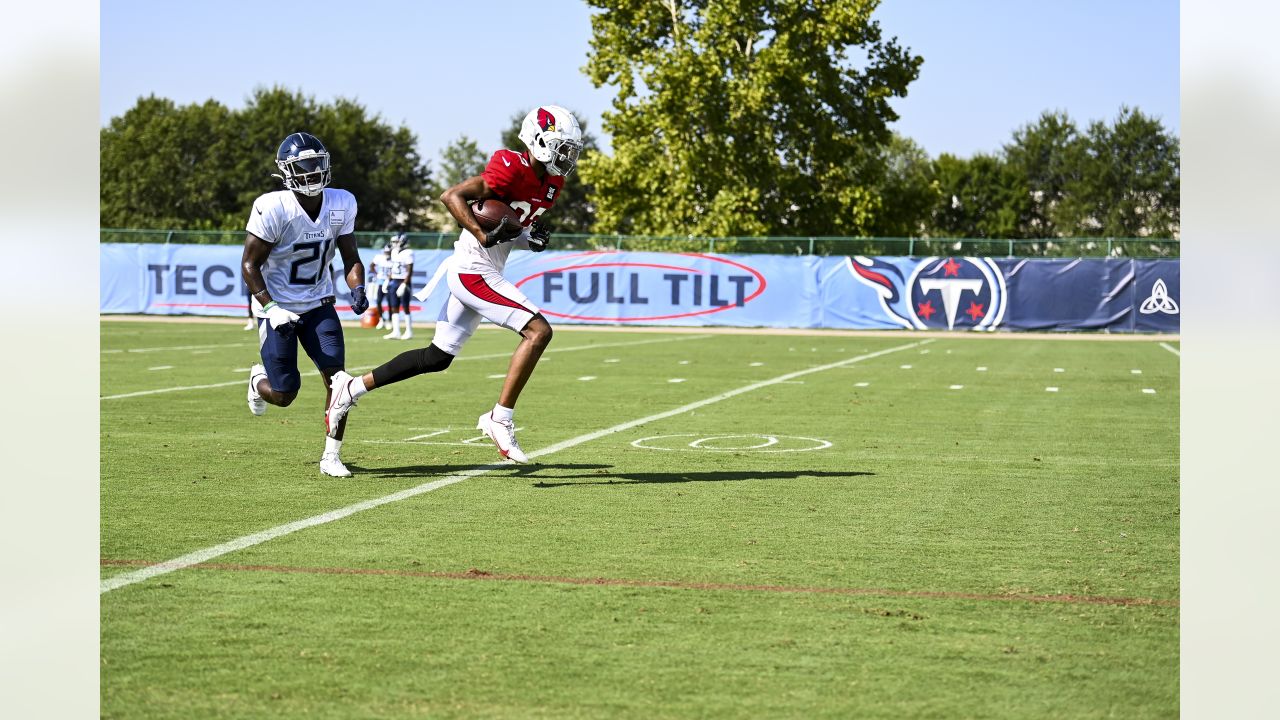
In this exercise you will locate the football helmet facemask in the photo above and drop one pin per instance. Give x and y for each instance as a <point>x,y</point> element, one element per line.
<point>553,137</point>
<point>304,164</point>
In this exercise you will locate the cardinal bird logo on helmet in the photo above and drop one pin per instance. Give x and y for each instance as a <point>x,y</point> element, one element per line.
<point>546,120</point>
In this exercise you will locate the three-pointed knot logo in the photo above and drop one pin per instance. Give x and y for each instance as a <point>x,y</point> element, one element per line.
<point>1159,301</point>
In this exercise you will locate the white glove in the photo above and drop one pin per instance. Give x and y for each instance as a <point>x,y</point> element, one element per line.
<point>403,289</point>
<point>278,316</point>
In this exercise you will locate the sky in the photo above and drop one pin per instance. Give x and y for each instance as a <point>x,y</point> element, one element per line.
<point>448,69</point>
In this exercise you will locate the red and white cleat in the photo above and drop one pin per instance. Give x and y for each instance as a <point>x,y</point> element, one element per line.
<point>503,435</point>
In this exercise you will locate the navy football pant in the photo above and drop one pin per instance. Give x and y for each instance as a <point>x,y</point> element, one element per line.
<point>320,334</point>
<point>396,302</point>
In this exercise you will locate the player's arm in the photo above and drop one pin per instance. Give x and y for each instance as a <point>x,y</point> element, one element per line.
<point>456,199</point>
<point>256,251</point>
<point>353,270</point>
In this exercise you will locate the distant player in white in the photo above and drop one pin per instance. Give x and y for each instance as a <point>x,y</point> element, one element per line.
<point>291,238</point>
<point>400,288</point>
<point>379,277</point>
<point>528,182</point>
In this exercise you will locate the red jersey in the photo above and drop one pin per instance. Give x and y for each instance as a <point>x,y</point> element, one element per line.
<point>512,179</point>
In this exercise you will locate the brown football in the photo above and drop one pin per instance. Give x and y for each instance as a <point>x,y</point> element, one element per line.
<point>488,213</point>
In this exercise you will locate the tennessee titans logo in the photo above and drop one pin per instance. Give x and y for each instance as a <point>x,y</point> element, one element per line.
<point>546,120</point>
<point>968,293</point>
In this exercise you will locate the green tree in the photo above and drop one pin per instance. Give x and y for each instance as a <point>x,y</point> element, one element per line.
<point>574,211</point>
<point>201,166</point>
<point>981,197</point>
<point>742,117</point>
<point>1129,180</point>
<point>460,160</point>
<point>162,166</point>
<point>907,190</point>
<point>1048,155</point>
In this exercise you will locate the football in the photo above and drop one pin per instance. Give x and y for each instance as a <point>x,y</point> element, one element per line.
<point>488,213</point>
<point>370,318</point>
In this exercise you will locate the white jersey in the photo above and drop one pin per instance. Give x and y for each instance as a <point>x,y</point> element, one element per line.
<point>469,256</point>
<point>400,262</point>
<point>381,270</point>
<point>296,271</point>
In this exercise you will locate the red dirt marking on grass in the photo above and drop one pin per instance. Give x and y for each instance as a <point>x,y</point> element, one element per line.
<point>477,574</point>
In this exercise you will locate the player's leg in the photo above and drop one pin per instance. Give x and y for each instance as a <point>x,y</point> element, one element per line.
<point>457,323</point>
<point>503,304</point>
<point>378,294</point>
<point>275,380</point>
<point>535,336</point>
<point>250,324</point>
<point>320,333</point>
<point>393,301</point>
<point>406,288</point>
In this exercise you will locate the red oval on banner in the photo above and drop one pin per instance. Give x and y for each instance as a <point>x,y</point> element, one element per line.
<point>705,311</point>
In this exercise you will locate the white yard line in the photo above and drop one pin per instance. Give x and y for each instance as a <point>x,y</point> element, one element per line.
<point>1170,348</point>
<point>240,543</point>
<point>180,347</point>
<point>490,356</point>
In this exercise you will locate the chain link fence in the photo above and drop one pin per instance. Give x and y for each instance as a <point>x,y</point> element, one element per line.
<point>911,247</point>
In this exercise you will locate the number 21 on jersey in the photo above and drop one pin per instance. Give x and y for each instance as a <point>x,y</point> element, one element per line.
<point>307,253</point>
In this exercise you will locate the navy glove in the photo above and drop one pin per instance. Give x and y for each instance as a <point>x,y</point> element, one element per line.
<point>359,302</point>
<point>539,236</point>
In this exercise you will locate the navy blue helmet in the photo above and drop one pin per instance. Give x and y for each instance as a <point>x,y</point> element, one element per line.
<point>304,162</point>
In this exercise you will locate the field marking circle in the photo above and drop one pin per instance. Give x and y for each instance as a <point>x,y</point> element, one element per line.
<point>696,444</point>
<point>769,440</point>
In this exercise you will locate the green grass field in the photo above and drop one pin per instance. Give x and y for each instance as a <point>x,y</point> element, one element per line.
<point>969,544</point>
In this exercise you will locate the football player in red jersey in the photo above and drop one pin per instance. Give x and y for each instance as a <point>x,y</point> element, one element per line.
<point>530,182</point>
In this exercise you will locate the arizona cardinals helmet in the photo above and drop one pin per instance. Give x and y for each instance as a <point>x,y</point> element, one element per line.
<point>553,138</point>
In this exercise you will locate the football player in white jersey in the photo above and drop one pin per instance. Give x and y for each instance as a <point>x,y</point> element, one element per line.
<point>291,238</point>
<point>379,276</point>
<point>529,182</point>
<point>399,291</point>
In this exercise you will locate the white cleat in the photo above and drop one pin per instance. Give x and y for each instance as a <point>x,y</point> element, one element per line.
<point>393,335</point>
<point>382,325</point>
<point>251,325</point>
<point>408,335</point>
<point>340,402</point>
<point>257,405</point>
<point>503,435</point>
<point>331,465</point>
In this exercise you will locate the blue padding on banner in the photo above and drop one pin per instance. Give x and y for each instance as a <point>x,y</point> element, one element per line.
<point>205,280</point>
<point>694,289</point>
